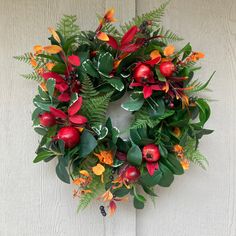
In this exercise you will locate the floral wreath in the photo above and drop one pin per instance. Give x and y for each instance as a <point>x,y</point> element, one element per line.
<point>82,72</point>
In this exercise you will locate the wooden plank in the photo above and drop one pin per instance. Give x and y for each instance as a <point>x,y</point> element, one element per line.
<point>33,201</point>
<point>124,221</point>
<point>203,203</point>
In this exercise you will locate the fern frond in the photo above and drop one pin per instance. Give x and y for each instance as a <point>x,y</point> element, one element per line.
<point>155,16</point>
<point>194,154</point>
<point>32,76</point>
<point>96,187</point>
<point>24,58</point>
<point>87,90</point>
<point>111,30</point>
<point>168,36</point>
<point>95,109</point>
<point>67,26</point>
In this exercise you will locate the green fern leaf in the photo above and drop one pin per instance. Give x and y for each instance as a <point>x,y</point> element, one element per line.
<point>87,90</point>
<point>194,154</point>
<point>95,108</point>
<point>168,36</point>
<point>155,16</point>
<point>32,76</point>
<point>67,26</point>
<point>24,58</point>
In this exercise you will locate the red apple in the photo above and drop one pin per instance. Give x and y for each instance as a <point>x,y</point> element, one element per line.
<point>151,153</point>
<point>47,119</point>
<point>142,73</point>
<point>69,135</point>
<point>132,173</point>
<point>167,68</point>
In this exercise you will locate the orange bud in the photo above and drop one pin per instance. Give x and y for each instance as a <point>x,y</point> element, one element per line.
<point>169,50</point>
<point>37,49</point>
<point>50,65</point>
<point>54,34</point>
<point>102,36</point>
<point>154,54</point>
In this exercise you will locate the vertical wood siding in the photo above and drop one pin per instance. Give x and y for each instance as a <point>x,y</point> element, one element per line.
<point>34,202</point>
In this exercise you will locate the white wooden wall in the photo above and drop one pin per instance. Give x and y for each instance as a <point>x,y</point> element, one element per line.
<point>34,202</point>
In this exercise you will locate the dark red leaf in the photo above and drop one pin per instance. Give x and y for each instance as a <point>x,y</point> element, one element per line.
<point>112,42</point>
<point>156,87</point>
<point>74,60</point>
<point>136,85</point>
<point>151,167</point>
<point>58,113</point>
<point>130,47</point>
<point>62,87</point>
<point>129,35</point>
<point>64,97</point>
<point>153,61</point>
<point>78,119</point>
<point>75,107</point>
<point>147,91</point>
<point>57,77</point>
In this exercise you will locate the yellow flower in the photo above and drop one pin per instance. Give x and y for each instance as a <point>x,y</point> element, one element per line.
<point>98,169</point>
<point>105,157</point>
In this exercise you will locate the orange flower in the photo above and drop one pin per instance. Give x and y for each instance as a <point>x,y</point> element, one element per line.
<point>178,148</point>
<point>185,163</point>
<point>169,50</point>
<point>38,49</point>
<point>33,62</point>
<point>102,36</point>
<point>98,169</point>
<point>84,180</point>
<point>52,49</point>
<point>166,87</point>
<point>195,56</point>
<point>105,157</point>
<point>177,131</point>
<point>107,196</point>
<point>109,15</point>
<point>154,54</point>
<point>54,34</point>
<point>40,71</point>
<point>85,191</point>
<point>112,208</point>
<point>50,65</point>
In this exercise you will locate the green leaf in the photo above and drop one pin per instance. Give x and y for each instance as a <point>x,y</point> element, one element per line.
<point>140,136</point>
<point>40,131</point>
<point>121,192</point>
<point>116,83</point>
<point>173,164</point>
<point>204,110</point>
<point>148,180</point>
<point>134,156</point>
<point>62,172</point>
<point>59,68</point>
<point>105,63</point>
<point>138,204</point>
<point>51,86</point>
<point>149,191</point>
<point>87,144</point>
<point>159,75</point>
<point>133,105</point>
<point>43,155</point>
<point>90,69</point>
<point>167,176</point>
<point>36,113</point>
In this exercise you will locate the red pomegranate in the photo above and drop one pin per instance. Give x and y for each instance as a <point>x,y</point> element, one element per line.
<point>151,153</point>
<point>132,173</point>
<point>142,73</point>
<point>69,135</point>
<point>47,119</point>
<point>167,68</point>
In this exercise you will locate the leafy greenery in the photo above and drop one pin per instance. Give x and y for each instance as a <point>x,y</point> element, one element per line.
<point>194,155</point>
<point>24,58</point>
<point>32,76</point>
<point>68,27</point>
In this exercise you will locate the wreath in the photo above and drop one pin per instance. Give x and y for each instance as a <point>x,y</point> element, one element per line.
<point>82,72</point>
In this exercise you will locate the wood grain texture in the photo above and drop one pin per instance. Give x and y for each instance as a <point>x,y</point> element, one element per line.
<point>34,202</point>
<point>203,203</point>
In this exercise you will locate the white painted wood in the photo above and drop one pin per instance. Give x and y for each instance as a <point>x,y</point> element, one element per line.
<point>203,203</point>
<point>34,202</point>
